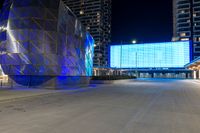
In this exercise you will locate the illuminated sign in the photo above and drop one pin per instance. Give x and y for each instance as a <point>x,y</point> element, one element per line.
<point>150,55</point>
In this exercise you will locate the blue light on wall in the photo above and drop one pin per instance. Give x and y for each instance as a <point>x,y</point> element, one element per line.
<point>89,47</point>
<point>151,55</point>
<point>42,40</point>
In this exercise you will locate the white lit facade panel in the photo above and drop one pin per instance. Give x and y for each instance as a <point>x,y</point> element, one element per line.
<point>151,55</point>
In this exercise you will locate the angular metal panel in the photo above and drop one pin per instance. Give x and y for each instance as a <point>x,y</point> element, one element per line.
<point>42,37</point>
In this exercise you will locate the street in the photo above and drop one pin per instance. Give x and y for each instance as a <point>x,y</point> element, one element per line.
<point>132,106</point>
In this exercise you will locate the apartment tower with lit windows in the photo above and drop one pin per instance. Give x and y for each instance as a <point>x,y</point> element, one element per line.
<point>96,16</point>
<point>186,15</point>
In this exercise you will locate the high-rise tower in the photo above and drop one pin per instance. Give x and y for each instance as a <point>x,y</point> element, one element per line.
<point>186,14</point>
<point>96,16</point>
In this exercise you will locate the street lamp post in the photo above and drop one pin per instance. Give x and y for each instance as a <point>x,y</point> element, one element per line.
<point>136,72</point>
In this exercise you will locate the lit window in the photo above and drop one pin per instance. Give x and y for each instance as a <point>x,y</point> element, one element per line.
<point>81,12</point>
<point>183,34</point>
<point>88,28</point>
<point>184,39</point>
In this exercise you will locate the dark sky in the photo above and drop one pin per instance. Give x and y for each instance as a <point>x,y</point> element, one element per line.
<point>144,20</point>
<point>1,2</point>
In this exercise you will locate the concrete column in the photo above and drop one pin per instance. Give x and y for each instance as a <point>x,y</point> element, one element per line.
<point>198,74</point>
<point>95,73</point>
<point>194,75</point>
<point>120,72</point>
<point>188,76</point>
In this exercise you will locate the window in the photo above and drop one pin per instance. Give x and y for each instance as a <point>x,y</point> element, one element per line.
<point>184,39</point>
<point>182,34</point>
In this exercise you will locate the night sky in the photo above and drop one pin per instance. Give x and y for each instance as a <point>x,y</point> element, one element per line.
<point>144,20</point>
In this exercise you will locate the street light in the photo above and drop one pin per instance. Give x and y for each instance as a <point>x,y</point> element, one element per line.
<point>134,41</point>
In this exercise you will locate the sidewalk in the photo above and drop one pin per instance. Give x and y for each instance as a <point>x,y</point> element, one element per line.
<point>18,92</point>
<point>196,81</point>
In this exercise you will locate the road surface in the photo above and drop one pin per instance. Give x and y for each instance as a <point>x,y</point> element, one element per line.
<point>143,106</point>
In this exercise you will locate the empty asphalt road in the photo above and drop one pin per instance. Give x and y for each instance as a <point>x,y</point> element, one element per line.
<point>143,106</point>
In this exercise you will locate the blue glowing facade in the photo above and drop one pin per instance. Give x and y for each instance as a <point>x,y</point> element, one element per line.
<point>43,38</point>
<point>150,55</point>
<point>89,51</point>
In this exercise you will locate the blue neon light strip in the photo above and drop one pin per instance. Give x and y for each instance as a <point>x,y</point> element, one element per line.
<point>152,55</point>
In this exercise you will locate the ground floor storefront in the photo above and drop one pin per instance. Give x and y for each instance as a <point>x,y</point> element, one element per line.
<point>147,73</point>
<point>194,66</point>
<point>183,74</point>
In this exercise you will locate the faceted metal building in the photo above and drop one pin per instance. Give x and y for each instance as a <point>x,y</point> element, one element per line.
<point>41,41</point>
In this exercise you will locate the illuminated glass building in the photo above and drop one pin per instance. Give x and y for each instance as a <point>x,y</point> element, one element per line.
<point>42,42</point>
<point>151,58</point>
<point>186,15</point>
<point>96,16</point>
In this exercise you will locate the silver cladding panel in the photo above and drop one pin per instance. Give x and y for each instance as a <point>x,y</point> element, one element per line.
<point>42,37</point>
